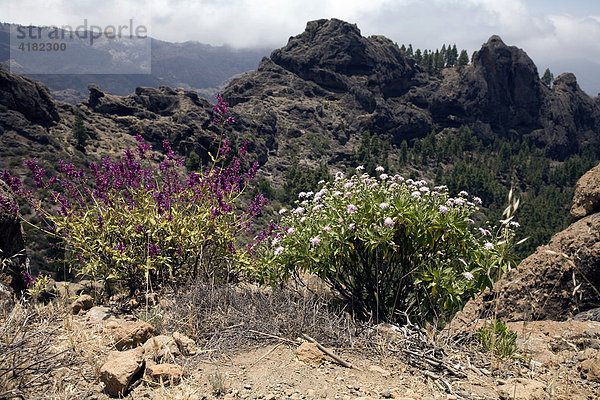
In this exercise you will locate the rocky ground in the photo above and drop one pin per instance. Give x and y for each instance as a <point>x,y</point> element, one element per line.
<point>100,353</point>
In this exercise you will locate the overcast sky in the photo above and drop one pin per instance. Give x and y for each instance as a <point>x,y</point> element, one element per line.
<point>561,35</point>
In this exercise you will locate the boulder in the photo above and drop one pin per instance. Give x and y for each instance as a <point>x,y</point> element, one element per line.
<point>544,284</point>
<point>130,334</point>
<point>163,101</point>
<point>99,313</point>
<point>161,349</point>
<point>310,354</point>
<point>12,242</point>
<point>28,97</point>
<point>586,199</point>
<point>165,373</point>
<point>119,370</point>
<point>106,103</point>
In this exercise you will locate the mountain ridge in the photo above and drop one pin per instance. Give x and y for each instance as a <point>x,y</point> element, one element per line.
<point>190,65</point>
<point>315,101</point>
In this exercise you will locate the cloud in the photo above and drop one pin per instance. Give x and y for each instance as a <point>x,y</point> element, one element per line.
<point>551,31</point>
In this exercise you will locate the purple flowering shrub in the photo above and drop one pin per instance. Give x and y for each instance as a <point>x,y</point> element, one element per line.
<point>139,221</point>
<point>390,246</point>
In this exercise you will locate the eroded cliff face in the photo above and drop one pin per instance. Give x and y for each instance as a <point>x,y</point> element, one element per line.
<point>313,99</point>
<point>346,83</point>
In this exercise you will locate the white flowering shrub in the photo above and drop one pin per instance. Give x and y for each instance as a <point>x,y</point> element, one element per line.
<point>390,246</point>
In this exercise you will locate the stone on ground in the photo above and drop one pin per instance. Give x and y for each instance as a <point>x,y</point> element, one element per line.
<point>186,345</point>
<point>161,349</point>
<point>310,354</point>
<point>130,334</point>
<point>119,369</point>
<point>522,389</point>
<point>165,373</point>
<point>83,302</point>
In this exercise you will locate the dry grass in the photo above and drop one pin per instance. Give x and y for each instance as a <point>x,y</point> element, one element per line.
<point>227,317</point>
<point>30,360</point>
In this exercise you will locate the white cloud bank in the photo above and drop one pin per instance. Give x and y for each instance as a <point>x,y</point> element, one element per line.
<point>555,34</point>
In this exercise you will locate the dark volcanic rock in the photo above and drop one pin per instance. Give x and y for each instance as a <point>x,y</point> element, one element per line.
<point>513,92</point>
<point>163,101</point>
<point>12,242</point>
<point>28,97</point>
<point>106,103</point>
<point>501,88</point>
<point>332,52</point>
<point>571,119</point>
<point>351,84</point>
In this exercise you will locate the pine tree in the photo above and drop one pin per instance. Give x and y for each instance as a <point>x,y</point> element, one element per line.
<point>451,56</point>
<point>409,51</point>
<point>443,53</point>
<point>547,78</point>
<point>418,57</point>
<point>192,163</point>
<point>463,58</point>
<point>439,60</point>
<point>79,132</point>
<point>428,61</point>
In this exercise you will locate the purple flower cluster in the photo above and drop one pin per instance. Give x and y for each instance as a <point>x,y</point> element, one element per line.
<point>140,174</point>
<point>221,110</point>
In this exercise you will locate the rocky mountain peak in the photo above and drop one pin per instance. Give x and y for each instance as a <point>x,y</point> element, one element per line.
<point>513,88</point>
<point>333,54</point>
<point>32,99</point>
<point>566,81</point>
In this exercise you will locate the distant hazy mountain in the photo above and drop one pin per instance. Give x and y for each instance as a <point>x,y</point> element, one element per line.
<point>191,65</point>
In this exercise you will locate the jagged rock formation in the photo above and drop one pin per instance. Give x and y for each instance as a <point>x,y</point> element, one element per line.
<point>28,97</point>
<point>312,100</point>
<point>332,83</point>
<point>556,282</point>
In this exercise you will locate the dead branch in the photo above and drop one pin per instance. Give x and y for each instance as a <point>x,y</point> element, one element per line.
<point>330,353</point>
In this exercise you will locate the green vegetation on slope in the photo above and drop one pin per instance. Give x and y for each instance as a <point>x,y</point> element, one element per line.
<point>460,160</point>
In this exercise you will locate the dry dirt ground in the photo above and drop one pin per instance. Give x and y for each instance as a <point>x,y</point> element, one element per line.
<point>387,362</point>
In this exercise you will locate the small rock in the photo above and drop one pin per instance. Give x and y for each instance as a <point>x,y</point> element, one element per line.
<point>83,302</point>
<point>68,289</point>
<point>119,369</point>
<point>186,345</point>
<point>161,348</point>
<point>130,334</point>
<point>386,394</point>
<point>590,369</point>
<point>310,354</point>
<point>522,389</point>
<point>98,313</point>
<point>164,373</point>
<point>376,368</point>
